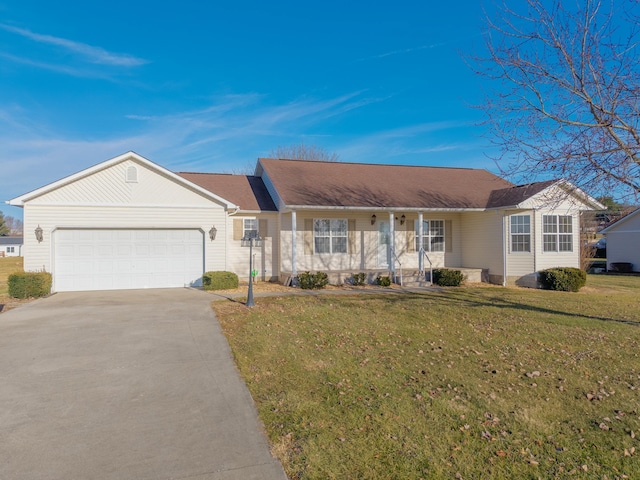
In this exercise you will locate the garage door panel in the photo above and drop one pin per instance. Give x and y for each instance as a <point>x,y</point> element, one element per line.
<point>127,259</point>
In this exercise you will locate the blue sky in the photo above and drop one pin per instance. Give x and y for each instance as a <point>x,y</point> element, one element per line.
<point>212,86</point>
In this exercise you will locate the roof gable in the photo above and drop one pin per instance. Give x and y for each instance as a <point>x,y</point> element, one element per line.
<point>94,180</point>
<point>302,183</point>
<point>555,194</point>
<point>628,221</point>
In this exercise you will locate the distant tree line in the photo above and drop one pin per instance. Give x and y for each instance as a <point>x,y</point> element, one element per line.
<point>10,225</point>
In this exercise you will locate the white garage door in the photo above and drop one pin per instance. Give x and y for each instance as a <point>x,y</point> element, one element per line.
<point>127,259</point>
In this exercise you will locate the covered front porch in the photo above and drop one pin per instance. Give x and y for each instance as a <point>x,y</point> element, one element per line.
<point>403,245</point>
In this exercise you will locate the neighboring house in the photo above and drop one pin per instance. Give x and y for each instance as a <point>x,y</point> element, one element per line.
<point>130,223</point>
<point>11,246</point>
<point>623,242</point>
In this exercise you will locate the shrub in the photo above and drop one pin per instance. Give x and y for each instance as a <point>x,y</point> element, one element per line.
<point>310,281</point>
<point>219,280</point>
<point>383,281</point>
<point>446,277</point>
<point>566,279</point>
<point>358,279</point>
<point>29,284</point>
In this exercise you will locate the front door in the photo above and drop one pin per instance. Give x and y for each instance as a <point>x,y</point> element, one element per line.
<point>384,241</point>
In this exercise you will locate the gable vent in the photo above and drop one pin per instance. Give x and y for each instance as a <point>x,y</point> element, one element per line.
<point>132,174</point>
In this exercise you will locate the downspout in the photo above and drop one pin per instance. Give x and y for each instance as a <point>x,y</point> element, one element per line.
<point>533,237</point>
<point>392,244</point>
<point>294,270</point>
<point>420,245</point>
<point>504,249</point>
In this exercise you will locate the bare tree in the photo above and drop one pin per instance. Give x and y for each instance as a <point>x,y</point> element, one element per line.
<point>304,152</point>
<point>14,225</point>
<point>567,101</point>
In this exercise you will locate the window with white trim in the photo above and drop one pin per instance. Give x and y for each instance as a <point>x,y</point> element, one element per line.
<point>250,228</point>
<point>11,249</point>
<point>432,235</point>
<point>557,233</point>
<point>520,233</point>
<point>329,235</point>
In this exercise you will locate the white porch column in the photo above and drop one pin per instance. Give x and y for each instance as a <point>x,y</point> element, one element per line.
<point>392,243</point>
<point>420,240</point>
<point>294,269</point>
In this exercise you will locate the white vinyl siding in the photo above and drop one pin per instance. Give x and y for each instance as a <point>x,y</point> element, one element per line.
<point>266,256</point>
<point>105,201</point>
<point>110,187</point>
<point>482,241</point>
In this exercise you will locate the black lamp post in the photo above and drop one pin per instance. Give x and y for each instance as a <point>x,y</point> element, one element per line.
<point>250,239</point>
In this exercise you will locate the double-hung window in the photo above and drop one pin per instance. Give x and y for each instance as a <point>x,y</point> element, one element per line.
<point>520,233</point>
<point>330,235</point>
<point>432,235</point>
<point>250,228</point>
<point>11,249</point>
<point>557,233</point>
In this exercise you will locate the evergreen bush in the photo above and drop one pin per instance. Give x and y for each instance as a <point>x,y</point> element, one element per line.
<point>29,284</point>
<point>219,280</point>
<point>566,279</point>
<point>311,281</point>
<point>446,277</point>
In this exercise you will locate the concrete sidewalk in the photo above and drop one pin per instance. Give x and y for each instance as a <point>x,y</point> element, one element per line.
<point>125,385</point>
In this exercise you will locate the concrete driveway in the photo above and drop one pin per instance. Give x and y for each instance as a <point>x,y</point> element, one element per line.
<point>125,385</point>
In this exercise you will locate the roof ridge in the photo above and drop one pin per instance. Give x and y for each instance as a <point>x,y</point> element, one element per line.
<point>378,164</point>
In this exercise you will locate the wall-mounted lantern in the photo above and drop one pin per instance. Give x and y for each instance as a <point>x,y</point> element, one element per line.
<point>38,232</point>
<point>212,233</point>
<point>373,219</point>
<point>403,219</point>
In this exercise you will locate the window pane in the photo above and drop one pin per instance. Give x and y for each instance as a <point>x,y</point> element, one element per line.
<point>437,228</point>
<point>339,227</point>
<point>521,243</point>
<point>550,224</point>
<point>437,244</point>
<point>565,224</point>
<point>520,224</point>
<point>322,245</point>
<point>549,242</point>
<point>566,243</point>
<point>339,244</point>
<point>321,226</point>
<point>250,227</point>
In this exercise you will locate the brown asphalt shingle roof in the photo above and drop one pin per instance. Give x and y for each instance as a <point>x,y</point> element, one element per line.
<point>246,191</point>
<point>309,183</point>
<point>360,185</point>
<point>515,195</point>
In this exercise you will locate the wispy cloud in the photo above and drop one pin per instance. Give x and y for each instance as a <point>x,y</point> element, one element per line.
<point>89,53</point>
<point>227,134</point>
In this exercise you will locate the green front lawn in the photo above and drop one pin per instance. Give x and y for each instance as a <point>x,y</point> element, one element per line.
<point>8,265</point>
<point>478,382</point>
